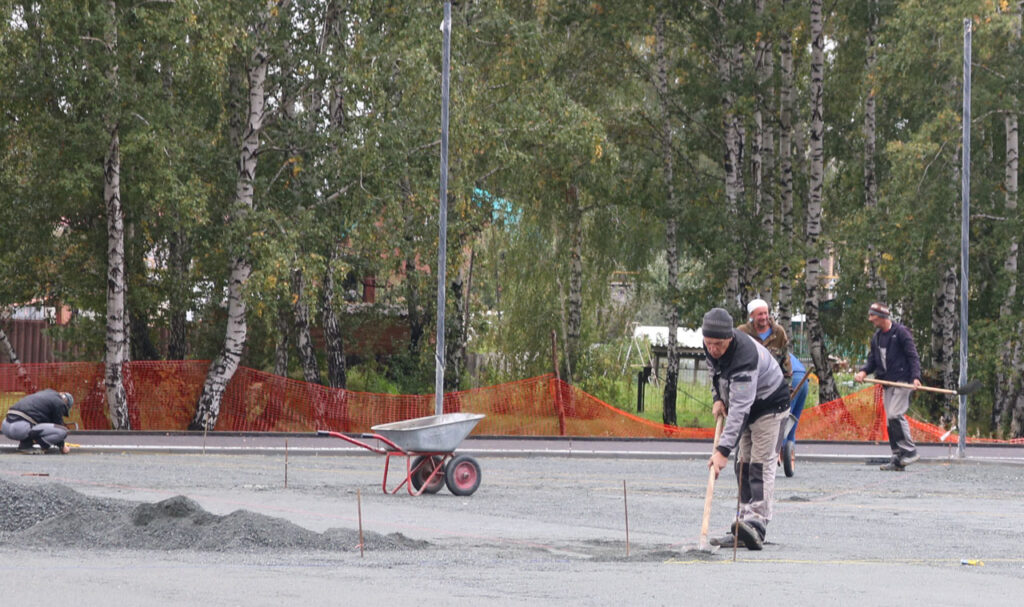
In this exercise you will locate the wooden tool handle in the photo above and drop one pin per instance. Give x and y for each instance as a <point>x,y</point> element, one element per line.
<point>911,386</point>
<point>705,521</point>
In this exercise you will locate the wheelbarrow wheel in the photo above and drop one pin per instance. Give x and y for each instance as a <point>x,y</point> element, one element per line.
<point>462,475</point>
<point>422,467</point>
<point>789,457</point>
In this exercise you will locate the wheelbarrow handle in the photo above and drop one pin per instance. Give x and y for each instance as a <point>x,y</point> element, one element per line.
<point>360,443</point>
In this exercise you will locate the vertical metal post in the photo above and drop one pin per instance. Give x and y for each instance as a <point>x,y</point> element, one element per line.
<point>965,228</point>
<point>442,241</point>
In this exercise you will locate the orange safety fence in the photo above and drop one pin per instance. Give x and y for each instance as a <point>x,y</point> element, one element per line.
<point>162,396</point>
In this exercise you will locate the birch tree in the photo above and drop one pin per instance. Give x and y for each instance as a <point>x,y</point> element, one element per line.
<point>116,334</point>
<point>223,367</point>
<point>787,102</point>
<point>812,298</point>
<point>875,281</point>
<point>668,415</point>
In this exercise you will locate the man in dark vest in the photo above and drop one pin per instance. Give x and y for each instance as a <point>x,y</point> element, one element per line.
<point>749,390</point>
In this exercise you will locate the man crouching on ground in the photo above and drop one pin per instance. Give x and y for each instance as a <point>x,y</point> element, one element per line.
<point>750,391</point>
<point>38,419</point>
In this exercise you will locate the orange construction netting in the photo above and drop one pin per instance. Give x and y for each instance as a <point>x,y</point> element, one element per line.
<point>162,396</point>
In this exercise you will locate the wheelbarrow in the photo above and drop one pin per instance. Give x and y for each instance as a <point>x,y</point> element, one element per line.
<point>428,445</point>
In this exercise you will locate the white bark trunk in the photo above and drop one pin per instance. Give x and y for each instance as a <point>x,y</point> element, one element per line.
<point>1008,382</point>
<point>223,368</point>
<point>116,341</point>
<point>729,60</point>
<point>335,345</point>
<point>303,339</point>
<point>575,311</point>
<point>12,356</point>
<point>944,327</point>
<point>668,408</point>
<point>763,158</point>
<point>116,344</point>
<point>875,282</point>
<point>786,103</point>
<point>284,332</point>
<point>815,334</point>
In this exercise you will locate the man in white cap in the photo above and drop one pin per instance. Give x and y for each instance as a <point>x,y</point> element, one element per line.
<point>769,333</point>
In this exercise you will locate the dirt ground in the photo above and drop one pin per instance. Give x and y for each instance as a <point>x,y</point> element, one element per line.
<point>179,529</point>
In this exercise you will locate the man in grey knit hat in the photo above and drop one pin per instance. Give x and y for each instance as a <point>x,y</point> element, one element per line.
<point>750,391</point>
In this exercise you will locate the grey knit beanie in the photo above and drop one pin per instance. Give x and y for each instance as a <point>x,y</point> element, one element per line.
<point>717,324</point>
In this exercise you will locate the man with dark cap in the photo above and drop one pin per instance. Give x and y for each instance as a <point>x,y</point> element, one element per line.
<point>749,390</point>
<point>39,419</point>
<point>893,357</point>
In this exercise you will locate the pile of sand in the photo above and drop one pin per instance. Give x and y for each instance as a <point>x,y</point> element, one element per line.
<point>56,515</point>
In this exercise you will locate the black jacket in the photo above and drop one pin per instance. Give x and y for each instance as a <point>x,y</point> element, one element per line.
<point>45,406</point>
<point>902,364</point>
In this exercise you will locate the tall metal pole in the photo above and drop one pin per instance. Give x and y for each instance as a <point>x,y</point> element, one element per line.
<point>442,240</point>
<point>965,228</point>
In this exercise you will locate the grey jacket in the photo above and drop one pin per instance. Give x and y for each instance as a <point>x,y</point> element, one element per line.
<point>747,378</point>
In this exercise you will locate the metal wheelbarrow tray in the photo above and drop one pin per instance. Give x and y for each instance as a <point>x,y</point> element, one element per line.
<point>428,445</point>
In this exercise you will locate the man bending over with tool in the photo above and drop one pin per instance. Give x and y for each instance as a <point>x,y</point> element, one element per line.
<point>38,419</point>
<point>749,390</point>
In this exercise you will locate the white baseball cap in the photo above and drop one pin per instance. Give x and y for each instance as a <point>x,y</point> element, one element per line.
<point>755,304</point>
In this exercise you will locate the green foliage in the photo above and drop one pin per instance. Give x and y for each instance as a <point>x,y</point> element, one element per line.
<point>556,114</point>
<point>371,378</point>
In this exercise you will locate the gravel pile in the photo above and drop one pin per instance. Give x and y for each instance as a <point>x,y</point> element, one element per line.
<point>56,515</point>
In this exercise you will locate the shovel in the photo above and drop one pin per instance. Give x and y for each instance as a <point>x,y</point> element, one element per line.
<point>969,388</point>
<point>703,545</point>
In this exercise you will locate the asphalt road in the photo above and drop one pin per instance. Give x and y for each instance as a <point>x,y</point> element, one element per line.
<point>504,446</point>
<point>548,526</point>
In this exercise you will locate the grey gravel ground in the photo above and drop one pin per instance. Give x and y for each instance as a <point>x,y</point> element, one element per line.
<point>167,529</point>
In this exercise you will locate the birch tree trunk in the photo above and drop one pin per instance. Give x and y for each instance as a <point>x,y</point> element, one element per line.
<point>575,311</point>
<point>303,340</point>
<point>1017,413</point>
<point>455,362</point>
<point>787,99</point>
<point>1008,379</point>
<point>283,345</point>
<point>412,290</point>
<point>223,368</point>
<point>116,341</point>
<point>764,146</point>
<point>334,343</point>
<point>944,327</point>
<point>875,282</point>
<point>815,334</point>
<point>728,60</point>
<point>12,355</point>
<point>1008,382</point>
<point>668,406</point>
<point>177,341</point>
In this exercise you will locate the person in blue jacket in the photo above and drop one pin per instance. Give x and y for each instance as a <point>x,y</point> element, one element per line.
<point>893,357</point>
<point>796,406</point>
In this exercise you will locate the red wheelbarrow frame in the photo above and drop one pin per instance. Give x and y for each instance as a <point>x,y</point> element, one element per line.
<point>396,451</point>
